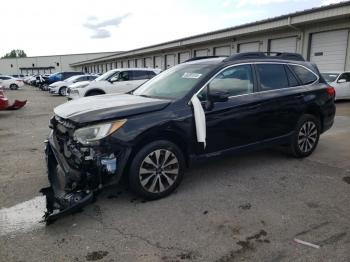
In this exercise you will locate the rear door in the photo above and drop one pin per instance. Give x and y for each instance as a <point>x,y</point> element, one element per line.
<point>281,97</point>
<point>232,123</point>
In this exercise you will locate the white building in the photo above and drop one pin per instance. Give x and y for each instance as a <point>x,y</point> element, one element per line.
<point>319,34</point>
<point>44,64</point>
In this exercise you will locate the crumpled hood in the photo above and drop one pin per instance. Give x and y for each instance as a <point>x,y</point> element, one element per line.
<point>104,107</point>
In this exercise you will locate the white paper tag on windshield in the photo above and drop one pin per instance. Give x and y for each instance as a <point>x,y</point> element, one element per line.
<point>191,75</point>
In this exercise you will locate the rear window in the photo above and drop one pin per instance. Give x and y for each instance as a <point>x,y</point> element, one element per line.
<point>306,76</point>
<point>272,76</point>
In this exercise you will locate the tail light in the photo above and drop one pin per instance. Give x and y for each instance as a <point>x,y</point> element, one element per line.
<point>330,91</point>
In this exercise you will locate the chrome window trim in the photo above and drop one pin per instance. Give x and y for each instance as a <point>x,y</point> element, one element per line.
<point>260,92</point>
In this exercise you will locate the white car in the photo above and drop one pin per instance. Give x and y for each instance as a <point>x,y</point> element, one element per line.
<point>60,87</point>
<point>114,81</point>
<point>11,82</point>
<point>341,83</point>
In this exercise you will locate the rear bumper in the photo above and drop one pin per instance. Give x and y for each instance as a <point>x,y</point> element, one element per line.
<point>328,117</point>
<point>71,189</point>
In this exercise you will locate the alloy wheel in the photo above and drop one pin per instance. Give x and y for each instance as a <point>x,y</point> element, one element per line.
<point>159,171</point>
<point>307,136</point>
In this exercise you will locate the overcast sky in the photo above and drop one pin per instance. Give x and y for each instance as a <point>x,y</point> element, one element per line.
<point>46,27</point>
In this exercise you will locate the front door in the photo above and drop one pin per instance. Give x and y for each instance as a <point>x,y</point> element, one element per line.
<point>232,123</point>
<point>343,86</point>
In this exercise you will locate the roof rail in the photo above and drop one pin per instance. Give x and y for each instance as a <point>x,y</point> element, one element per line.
<point>202,57</point>
<point>265,55</point>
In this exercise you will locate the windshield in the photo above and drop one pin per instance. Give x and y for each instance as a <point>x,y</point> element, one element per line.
<point>106,75</point>
<point>330,77</point>
<point>175,82</point>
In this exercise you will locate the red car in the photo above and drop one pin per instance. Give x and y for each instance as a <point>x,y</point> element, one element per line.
<point>4,102</point>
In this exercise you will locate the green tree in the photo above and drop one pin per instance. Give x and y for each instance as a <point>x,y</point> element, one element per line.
<point>15,53</point>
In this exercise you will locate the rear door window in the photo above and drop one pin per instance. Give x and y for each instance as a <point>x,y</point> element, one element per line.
<point>151,74</point>
<point>139,75</point>
<point>272,76</point>
<point>305,76</point>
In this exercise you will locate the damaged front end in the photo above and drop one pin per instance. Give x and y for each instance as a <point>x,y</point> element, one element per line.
<point>77,172</point>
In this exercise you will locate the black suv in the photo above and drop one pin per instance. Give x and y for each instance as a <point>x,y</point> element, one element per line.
<point>201,108</point>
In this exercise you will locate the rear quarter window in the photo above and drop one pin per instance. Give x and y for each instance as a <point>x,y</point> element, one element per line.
<point>305,76</point>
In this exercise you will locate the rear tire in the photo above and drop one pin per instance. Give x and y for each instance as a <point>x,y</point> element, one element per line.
<point>62,91</point>
<point>305,137</point>
<point>13,87</point>
<point>156,170</point>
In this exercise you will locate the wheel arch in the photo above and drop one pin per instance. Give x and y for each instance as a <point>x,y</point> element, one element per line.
<point>173,136</point>
<point>316,112</point>
<point>94,90</point>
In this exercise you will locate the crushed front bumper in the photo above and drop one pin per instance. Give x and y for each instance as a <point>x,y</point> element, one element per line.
<point>70,188</point>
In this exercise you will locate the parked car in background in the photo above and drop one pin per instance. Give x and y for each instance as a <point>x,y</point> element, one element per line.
<point>11,82</point>
<point>115,81</point>
<point>60,87</point>
<point>341,83</point>
<point>60,76</point>
<point>192,111</point>
<point>74,88</point>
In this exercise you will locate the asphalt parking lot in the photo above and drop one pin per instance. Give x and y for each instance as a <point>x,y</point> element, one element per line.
<point>241,208</point>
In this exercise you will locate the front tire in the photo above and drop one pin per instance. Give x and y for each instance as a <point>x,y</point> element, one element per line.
<point>13,87</point>
<point>306,136</point>
<point>156,170</point>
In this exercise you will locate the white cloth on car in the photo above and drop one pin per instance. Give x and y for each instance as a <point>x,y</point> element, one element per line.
<point>199,118</point>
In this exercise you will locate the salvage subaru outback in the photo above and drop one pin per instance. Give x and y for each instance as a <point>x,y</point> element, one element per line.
<point>209,106</point>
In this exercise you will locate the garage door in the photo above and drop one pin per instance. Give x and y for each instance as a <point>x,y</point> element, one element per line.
<point>139,63</point>
<point>249,47</point>
<point>184,56</point>
<point>158,62</point>
<point>170,60</point>
<point>222,51</point>
<point>288,44</point>
<point>131,63</point>
<point>148,62</point>
<point>201,52</point>
<point>328,50</point>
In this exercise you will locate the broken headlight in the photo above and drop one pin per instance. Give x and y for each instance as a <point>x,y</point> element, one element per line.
<point>90,134</point>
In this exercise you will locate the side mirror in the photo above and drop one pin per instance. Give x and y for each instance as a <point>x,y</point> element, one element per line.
<point>342,81</point>
<point>218,96</point>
